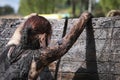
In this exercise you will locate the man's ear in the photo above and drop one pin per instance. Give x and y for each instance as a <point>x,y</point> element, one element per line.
<point>10,51</point>
<point>48,39</point>
<point>43,40</point>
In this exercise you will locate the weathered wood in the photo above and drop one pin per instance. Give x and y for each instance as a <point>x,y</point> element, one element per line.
<point>73,64</point>
<point>20,69</point>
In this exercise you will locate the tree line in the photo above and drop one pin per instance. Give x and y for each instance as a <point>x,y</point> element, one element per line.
<point>74,7</point>
<point>6,10</point>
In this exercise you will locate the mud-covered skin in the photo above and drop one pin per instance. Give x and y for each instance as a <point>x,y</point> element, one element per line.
<point>34,33</point>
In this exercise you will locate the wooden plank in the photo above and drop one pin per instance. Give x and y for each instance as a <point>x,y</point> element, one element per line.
<point>107,48</point>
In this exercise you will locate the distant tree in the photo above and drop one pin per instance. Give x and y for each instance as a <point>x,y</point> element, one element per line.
<point>74,7</point>
<point>98,12</point>
<point>6,10</point>
<point>0,10</point>
<point>68,2</point>
<point>85,5</point>
<point>38,6</point>
<point>108,5</point>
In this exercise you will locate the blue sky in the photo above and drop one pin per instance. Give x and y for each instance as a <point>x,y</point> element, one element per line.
<point>12,3</point>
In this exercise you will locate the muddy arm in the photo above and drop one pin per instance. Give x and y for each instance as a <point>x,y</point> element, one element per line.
<point>53,53</point>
